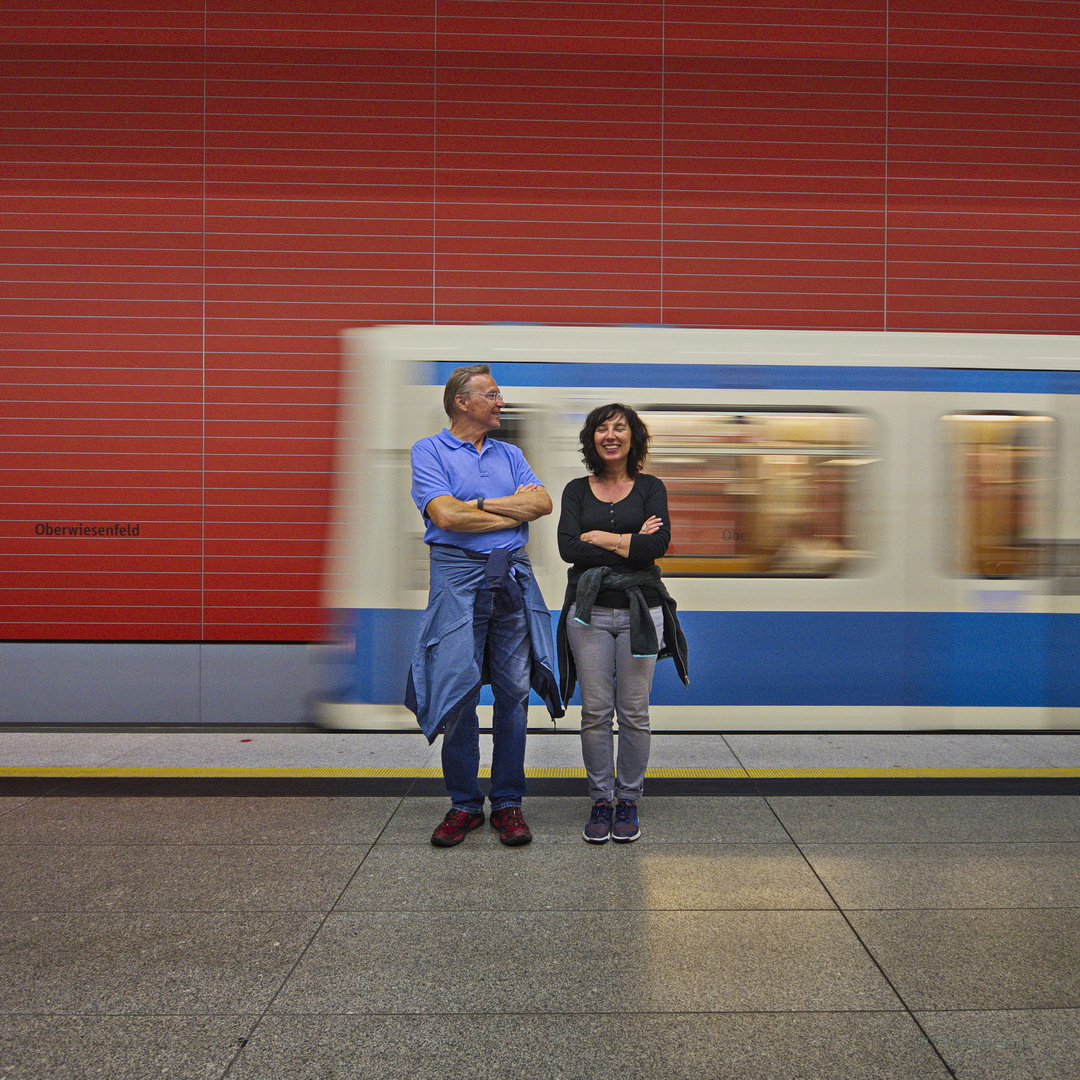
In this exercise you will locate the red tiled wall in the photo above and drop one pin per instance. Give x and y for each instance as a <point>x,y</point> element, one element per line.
<point>984,188</point>
<point>197,196</point>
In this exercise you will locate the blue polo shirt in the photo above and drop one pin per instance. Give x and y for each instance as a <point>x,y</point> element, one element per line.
<point>445,465</point>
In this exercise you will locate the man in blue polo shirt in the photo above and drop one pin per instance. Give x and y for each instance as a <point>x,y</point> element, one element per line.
<point>485,620</point>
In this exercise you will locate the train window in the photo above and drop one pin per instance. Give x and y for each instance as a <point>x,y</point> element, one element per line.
<point>1001,484</point>
<point>765,492</point>
<point>512,427</point>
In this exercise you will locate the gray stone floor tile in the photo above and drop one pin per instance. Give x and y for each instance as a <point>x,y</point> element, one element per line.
<point>986,960</point>
<point>702,961</point>
<point>121,963</point>
<point>588,1045</point>
<point>562,750</point>
<point>283,750</point>
<point>262,749</point>
<point>147,877</point>
<point>198,820</point>
<point>554,751</point>
<point>739,819</point>
<point>744,819</point>
<point>1017,1045</point>
<point>879,751</point>
<point>691,752</point>
<point>1059,751</point>
<point>120,1047</point>
<point>877,819</point>
<point>613,877</point>
<point>948,875</point>
<point>61,749</point>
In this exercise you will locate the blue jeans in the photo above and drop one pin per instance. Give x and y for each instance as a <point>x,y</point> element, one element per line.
<point>505,634</point>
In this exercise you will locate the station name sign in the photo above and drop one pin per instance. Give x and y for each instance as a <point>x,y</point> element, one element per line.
<point>44,528</point>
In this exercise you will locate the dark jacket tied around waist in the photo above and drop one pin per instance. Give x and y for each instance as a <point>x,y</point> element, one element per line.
<point>643,640</point>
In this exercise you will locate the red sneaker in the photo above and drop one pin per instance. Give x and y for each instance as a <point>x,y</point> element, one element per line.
<point>454,826</point>
<point>511,825</point>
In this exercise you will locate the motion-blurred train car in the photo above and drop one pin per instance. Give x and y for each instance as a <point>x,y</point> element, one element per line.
<point>869,531</point>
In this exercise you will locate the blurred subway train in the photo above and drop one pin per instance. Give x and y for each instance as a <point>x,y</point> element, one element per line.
<point>869,531</point>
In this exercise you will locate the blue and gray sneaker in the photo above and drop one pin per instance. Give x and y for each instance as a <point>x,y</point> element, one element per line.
<point>598,830</point>
<point>626,826</point>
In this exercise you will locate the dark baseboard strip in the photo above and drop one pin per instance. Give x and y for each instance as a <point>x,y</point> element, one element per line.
<point>308,727</point>
<point>400,787</point>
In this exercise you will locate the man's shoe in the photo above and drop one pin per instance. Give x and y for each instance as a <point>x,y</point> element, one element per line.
<point>511,825</point>
<point>454,826</point>
<point>626,826</point>
<point>598,830</point>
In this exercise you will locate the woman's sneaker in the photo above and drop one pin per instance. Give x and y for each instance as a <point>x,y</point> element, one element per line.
<point>598,830</point>
<point>626,826</point>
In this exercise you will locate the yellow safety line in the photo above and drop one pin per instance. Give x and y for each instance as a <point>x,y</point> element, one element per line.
<point>118,771</point>
<point>911,773</point>
<point>688,773</point>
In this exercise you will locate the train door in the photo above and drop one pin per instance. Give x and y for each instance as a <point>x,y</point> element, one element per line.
<point>1063,560</point>
<point>988,654</point>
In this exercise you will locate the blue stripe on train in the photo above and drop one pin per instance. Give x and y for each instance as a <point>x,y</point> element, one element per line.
<point>773,377</point>
<point>813,658</point>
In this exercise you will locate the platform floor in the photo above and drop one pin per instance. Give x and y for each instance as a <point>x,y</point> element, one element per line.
<point>187,931</point>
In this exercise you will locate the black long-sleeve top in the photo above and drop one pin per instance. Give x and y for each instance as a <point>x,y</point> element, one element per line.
<point>583,512</point>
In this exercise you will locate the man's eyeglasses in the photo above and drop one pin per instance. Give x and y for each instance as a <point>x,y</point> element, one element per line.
<point>491,395</point>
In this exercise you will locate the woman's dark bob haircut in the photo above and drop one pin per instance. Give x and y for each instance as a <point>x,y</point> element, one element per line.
<point>639,438</point>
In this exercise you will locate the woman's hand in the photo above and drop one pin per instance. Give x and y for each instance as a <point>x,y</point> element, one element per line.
<point>618,541</point>
<point>608,541</point>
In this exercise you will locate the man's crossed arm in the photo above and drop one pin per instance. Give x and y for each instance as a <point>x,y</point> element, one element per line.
<point>528,503</point>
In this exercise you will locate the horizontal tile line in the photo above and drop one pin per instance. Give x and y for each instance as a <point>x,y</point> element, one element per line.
<point>951,50</point>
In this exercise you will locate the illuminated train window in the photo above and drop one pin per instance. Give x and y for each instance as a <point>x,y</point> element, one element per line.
<point>513,422</point>
<point>765,492</point>
<point>1001,482</point>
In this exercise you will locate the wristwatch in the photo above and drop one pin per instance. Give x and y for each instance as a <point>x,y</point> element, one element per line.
<point>480,503</point>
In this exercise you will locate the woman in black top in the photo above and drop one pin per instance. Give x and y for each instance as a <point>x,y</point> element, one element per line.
<point>617,616</point>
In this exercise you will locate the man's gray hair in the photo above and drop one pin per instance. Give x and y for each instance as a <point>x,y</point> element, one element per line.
<point>459,379</point>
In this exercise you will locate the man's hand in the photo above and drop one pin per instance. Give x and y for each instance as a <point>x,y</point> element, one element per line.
<point>529,502</point>
<point>453,515</point>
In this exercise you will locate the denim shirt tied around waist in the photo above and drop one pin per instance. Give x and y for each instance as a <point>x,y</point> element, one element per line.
<point>444,677</point>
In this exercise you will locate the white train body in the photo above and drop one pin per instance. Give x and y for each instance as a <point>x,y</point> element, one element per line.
<point>867,551</point>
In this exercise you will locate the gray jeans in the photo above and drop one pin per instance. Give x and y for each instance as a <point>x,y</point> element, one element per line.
<point>613,682</point>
